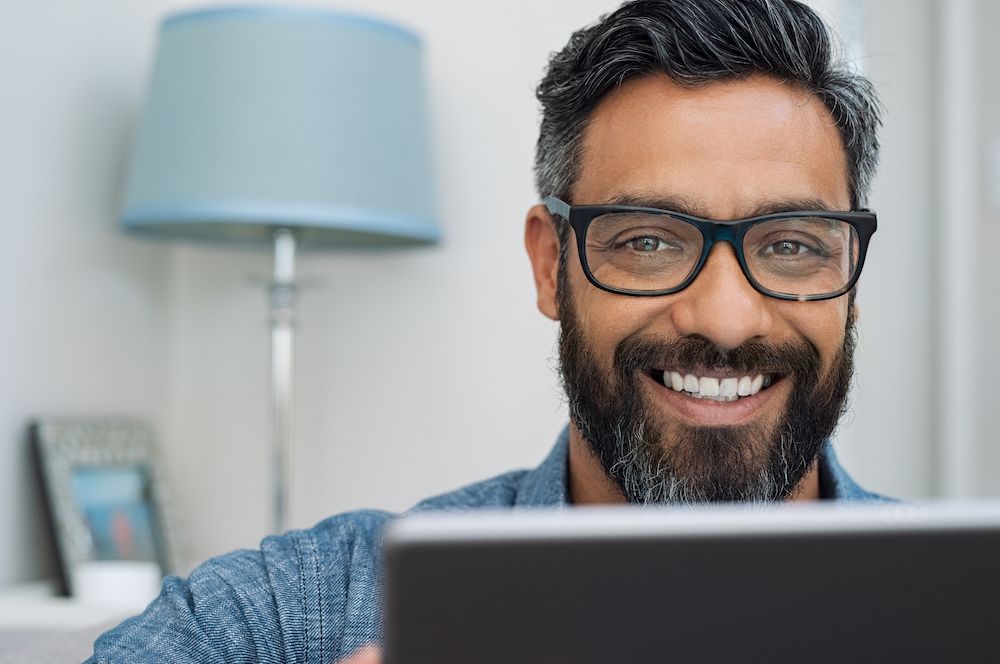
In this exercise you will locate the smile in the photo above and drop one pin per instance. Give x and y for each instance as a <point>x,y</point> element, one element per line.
<point>714,388</point>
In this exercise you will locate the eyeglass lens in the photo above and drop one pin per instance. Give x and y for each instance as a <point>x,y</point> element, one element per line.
<point>651,252</point>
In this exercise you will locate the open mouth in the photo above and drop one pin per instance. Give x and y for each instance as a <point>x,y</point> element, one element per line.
<point>715,388</point>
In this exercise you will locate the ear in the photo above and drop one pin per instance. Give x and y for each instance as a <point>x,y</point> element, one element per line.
<point>541,239</point>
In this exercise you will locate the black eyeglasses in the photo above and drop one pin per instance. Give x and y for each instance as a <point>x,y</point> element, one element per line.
<point>808,255</point>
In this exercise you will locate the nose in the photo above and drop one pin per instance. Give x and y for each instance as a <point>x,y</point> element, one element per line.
<point>720,304</point>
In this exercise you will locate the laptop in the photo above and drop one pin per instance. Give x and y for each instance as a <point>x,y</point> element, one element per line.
<point>795,583</point>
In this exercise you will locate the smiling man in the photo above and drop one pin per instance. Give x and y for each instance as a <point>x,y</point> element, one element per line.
<point>704,286</point>
<point>702,167</point>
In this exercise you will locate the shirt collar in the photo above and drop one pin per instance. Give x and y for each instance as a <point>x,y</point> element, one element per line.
<point>546,485</point>
<point>836,484</point>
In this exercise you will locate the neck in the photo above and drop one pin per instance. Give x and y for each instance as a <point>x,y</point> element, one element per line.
<point>589,484</point>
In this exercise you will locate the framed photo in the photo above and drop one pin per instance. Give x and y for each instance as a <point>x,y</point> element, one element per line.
<point>107,501</point>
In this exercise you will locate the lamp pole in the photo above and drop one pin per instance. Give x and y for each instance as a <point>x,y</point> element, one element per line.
<point>282,347</point>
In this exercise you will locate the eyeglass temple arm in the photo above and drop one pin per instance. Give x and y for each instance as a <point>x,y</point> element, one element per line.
<point>557,207</point>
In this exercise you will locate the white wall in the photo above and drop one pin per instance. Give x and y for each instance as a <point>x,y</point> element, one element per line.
<point>417,371</point>
<point>988,475</point>
<point>84,308</point>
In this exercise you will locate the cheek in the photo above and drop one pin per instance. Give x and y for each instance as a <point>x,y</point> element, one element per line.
<point>822,324</point>
<point>608,319</point>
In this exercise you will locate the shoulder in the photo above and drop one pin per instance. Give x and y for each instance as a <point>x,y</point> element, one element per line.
<point>543,486</point>
<point>497,492</point>
<point>837,484</point>
<point>344,535</point>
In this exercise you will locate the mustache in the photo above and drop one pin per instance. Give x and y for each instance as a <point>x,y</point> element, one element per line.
<point>644,352</point>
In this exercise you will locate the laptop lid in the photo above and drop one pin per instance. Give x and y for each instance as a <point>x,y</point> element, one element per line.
<point>792,583</point>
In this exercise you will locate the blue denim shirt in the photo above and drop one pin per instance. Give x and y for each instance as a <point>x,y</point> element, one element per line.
<point>312,596</point>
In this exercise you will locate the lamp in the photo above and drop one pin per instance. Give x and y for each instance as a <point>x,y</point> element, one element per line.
<point>283,127</point>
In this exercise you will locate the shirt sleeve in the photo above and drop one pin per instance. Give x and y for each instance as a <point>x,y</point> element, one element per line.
<point>224,612</point>
<point>306,597</point>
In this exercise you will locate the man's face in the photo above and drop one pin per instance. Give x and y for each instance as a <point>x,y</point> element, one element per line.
<point>723,151</point>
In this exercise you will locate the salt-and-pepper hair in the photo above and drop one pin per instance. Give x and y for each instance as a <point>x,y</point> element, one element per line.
<point>696,42</point>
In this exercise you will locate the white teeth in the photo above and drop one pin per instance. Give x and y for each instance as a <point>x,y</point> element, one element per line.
<point>717,389</point>
<point>709,387</point>
<point>676,381</point>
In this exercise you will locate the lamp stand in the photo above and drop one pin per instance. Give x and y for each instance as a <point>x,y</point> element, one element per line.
<point>282,346</point>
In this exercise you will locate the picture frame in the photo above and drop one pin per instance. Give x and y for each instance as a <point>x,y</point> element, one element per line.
<point>107,501</point>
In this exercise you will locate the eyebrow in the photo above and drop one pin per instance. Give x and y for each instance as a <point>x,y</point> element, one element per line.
<point>686,206</point>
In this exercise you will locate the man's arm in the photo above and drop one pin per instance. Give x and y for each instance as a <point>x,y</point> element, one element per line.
<point>224,612</point>
<point>309,596</point>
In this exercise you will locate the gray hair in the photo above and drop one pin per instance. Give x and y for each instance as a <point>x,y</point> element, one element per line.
<point>696,42</point>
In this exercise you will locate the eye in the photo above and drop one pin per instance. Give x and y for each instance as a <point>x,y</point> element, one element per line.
<point>647,244</point>
<point>789,248</point>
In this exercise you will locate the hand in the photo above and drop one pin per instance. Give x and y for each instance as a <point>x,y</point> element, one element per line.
<point>366,655</point>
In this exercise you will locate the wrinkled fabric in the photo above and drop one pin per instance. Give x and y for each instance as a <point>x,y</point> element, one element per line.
<point>312,596</point>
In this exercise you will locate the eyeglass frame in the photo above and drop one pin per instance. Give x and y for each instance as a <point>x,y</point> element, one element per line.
<point>864,222</point>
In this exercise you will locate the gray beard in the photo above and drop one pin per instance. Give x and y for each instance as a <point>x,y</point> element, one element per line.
<point>647,478</point>
<point>746,463</point>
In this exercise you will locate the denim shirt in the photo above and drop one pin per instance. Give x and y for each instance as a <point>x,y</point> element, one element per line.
<point>312,596</point>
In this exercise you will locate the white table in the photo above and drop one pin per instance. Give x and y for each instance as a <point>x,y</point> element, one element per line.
<point>36,626</point>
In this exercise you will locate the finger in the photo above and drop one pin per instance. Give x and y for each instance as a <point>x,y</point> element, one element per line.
<point>366,655</point>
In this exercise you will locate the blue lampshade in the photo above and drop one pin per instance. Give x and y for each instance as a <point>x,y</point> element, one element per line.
<point>260,118</point>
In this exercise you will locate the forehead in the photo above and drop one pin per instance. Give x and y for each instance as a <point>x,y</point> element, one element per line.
<point>724,147</point>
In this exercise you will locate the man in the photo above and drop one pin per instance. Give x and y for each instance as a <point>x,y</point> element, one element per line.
<point>702,164</point>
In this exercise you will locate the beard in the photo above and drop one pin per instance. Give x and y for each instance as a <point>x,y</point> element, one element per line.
<point>756,462</point>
